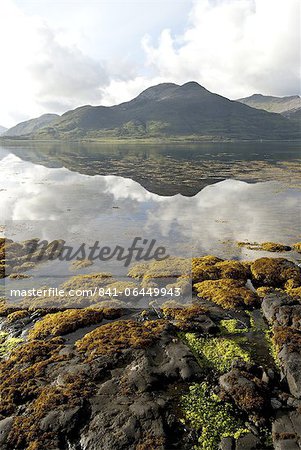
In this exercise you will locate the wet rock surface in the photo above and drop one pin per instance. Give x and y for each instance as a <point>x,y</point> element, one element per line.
<point>132,379</point>
<point>284,314</point>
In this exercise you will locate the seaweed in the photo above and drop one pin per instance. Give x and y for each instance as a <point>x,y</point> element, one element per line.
<point>120,335</point>
<point>227,293</point>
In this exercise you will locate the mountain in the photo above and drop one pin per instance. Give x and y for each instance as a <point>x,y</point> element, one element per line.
<point>294,114</point>
<point>30,126</point>
<point>281,105</point>
<point>2,130</point>
<point>171,111</point>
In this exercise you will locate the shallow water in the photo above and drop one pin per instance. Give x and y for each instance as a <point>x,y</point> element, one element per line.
<point>59,203</point>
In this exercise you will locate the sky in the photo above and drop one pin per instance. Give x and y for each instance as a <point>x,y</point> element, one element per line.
<point>60,54</point>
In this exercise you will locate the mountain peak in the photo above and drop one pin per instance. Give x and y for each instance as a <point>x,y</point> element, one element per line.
<point>158,92</point>
<point>192,85</point>
<point>167,110</point>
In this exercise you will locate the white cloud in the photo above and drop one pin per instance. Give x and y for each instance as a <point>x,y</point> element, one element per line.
<point>236,47</point>
<point>232,47</point>
<point>51,63</point>
<point>42,69</point>
<point>65,75</point>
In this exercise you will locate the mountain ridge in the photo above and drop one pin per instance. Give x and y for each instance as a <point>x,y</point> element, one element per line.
<point>282,105</point>
<point>170,111</point>
<point>30,126</point>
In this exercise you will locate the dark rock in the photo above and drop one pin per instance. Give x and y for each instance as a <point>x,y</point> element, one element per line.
<point>227,443</point>
<point>247,391</point>
<point>248,442</point>
<point>275,403</point>
<point>205,324</point>
<point>58,419</point>
<point>271,304</point>
<point>286,430</point>
<point>5,427</point>
<point>281,309</point>
<point>287,444</point>
<point>291,367</point>
<point>294,402</point>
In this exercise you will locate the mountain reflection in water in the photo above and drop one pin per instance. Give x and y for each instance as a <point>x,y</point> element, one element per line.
<point>213,220</point>
<point>169,169</point>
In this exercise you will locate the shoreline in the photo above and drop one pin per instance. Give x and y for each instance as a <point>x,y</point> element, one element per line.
<point>157,141</point>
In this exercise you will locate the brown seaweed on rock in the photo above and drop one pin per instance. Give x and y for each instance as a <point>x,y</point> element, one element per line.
<point>274,272</point>
<point>227,293</point>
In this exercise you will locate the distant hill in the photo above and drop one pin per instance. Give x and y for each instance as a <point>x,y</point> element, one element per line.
<point>294,114</point>
<point>30,126</point>
<point>281,105</point>
<point>2,130</point>
<point>170,111</point>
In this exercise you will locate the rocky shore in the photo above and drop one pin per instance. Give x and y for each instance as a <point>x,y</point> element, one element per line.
<point>222,372</point>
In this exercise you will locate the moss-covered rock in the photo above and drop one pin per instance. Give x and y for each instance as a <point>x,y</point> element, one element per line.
<point>274,272</point>
<point>297,247</point>
<point>21,373</point>
<point>6,308</point>
<point>61,323</point>
<point>183,284</point>
<point>26,431</point>
<point>232,326</point>
<point>88,281</point>
<point>121,290</point>
<point>264,290</point>
<point>287,336</point>
<point>176,311</point>
<point>293,288</point>
<point>7,344</point>
<point>117,336</point>
<point>17,315</point>
<point>275,247</point>
<point>212,268</point>
<point>248,391</point>
<point>266,246</point>
<point>172,267</point>
<point>227,293</point>
<point>81,264</point>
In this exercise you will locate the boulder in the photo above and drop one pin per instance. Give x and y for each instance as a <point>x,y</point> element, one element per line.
<point>286,430</point>
<point>248,392</point>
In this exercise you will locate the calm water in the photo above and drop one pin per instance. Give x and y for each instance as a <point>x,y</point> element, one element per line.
<point>52,193</point>
<point>213,220</point>
<point>174,168</point>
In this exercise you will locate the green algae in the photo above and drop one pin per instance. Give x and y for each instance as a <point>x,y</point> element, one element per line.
<point>231,326</point>
<point>272,347</point>
<point>216,353</point>
<point>7,344</point>
<point>204,411</point>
